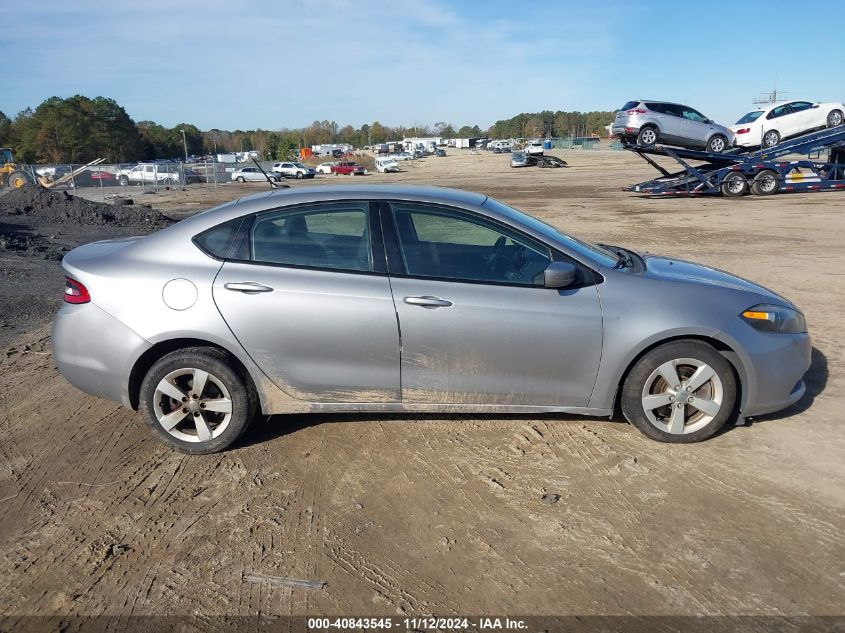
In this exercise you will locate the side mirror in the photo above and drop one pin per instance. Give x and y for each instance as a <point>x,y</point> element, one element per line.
<point>559,275</point>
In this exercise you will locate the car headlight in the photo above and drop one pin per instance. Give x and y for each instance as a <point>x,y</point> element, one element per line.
<point>771,318</point>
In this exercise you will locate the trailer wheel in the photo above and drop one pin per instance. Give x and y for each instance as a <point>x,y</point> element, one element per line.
<point>647,136</point>
<point>771,138</point>
<point>734,185</point>
<point>765,183</point>
<point>835,118</point>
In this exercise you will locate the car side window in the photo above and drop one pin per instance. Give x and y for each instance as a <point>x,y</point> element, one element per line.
<point>799,106</point>
<point>448,243</point>
<point>330,235</point>
<point>693,115</point>
<point>779,111</point>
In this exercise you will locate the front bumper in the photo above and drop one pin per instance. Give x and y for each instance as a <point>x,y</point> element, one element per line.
<point>773,367</point>
<point>95,352</point>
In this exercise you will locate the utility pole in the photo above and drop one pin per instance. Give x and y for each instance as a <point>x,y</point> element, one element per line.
<point>184,144</point>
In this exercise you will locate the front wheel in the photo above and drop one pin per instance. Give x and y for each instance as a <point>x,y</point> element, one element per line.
<point>771,138</point>
<point>835,118</point>
<point>195,400</point>
<point>680,392</point>
<point>123,180</point>
<point>734,185</point>
<point>717,144</point>
<point>647,137</point>
<point>18,179</point>
<point>240,179</point>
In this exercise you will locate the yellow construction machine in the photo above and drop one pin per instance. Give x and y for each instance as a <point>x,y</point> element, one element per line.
<point>10,173</point>
<point>14,176</point>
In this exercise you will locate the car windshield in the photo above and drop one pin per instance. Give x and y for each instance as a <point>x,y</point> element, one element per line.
<point>591,251</point>
<point>630,105</point>
<point>750,117</point>
<point>299,165</point>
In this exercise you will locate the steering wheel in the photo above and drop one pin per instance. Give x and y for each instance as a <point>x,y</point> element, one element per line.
<point>496,253</point>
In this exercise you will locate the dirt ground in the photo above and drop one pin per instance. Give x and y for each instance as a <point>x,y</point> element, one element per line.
<point>445,514</point>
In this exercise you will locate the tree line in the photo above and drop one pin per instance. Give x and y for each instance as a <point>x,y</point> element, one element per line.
<point>79,129</point>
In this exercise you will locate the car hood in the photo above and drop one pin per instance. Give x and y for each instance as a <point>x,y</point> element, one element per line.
<point>679,270</point>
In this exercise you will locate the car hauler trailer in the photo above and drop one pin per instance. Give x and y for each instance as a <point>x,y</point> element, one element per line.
<point>735,173</point>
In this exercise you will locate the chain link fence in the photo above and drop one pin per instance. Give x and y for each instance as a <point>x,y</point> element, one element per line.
<point>126,179</point>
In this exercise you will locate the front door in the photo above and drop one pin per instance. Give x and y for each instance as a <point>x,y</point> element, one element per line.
<point>477,325</point>
<point>311,308</point>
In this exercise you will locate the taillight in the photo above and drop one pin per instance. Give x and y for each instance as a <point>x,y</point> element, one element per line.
<point>636,111</point>
<point>75,292</point>
<point>744,130</point>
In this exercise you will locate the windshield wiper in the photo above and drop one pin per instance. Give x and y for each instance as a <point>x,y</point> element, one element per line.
<point>623,259</point>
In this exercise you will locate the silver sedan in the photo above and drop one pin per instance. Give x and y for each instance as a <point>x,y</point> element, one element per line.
<point>383,298</point>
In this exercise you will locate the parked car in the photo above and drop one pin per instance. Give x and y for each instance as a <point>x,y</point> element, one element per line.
<point>768,125</point>
<point>261,305</point>
<point>149,173</point>
<point>348,168</point>
<point>440,152</point>
<point>325,168</point>
<point>386,164</point>
<point>650,122</point>
<point>519,159</point>
<point>253,174</point>
<point>95,178</point>
<point>534,147</point>
<point>294,170</point>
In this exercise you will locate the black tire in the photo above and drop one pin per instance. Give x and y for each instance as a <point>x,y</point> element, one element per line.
<point>635,383</point>
<point>299,175</point>
<point>734,185</point>
<point>765,183</point>
<point>648,136</point>
<point>717,144</point>
<point>123,180</point>
<point>835,118</point>
<point>241,179</point>
<point>771,138</point>
<point>18,179</point>
<point>221,367</point>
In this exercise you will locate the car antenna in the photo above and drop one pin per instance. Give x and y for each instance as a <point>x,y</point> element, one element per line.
<point>273,183</point>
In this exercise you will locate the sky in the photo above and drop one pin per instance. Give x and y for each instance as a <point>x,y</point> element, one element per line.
<point>247,64</point>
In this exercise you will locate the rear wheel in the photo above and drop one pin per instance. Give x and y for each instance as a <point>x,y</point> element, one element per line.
<point>195,401</point>
<point>241,179</point>
<point>680,392</point>
<point>647,136</point>
<point>835,118</point>
<point>734,185</point>
<point>765,183</point>
<point>771,138</point>
<point>717,144</point>
<point>123,180</point>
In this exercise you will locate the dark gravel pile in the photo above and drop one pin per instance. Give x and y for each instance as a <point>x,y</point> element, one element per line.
<point>59,207</point>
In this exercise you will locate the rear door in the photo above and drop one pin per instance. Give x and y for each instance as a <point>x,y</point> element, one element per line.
<point>780,119</point>
<point>477,325</point>
<point>308,297</point>
<point>668,120</point>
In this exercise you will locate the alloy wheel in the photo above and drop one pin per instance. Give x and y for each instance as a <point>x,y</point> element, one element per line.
<point>682,396</point>
<point>192,405</point>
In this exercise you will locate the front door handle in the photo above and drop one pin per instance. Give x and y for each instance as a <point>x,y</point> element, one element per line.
<point>248,287</point>
<point>427,302</point>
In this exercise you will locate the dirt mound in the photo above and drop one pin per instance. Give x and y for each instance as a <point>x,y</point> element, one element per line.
<point>43,205</point>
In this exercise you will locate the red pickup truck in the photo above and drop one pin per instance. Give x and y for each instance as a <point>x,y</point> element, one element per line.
<point>347,167</point>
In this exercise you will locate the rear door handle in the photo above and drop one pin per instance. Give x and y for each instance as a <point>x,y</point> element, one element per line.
<point>248,287</point>
<point>427,302</point>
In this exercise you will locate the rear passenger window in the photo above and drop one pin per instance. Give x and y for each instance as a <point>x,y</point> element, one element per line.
<point>217,241</point>
<point>332,235</point>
